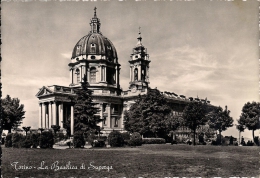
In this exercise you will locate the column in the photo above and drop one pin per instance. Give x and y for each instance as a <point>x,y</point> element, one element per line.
<point>71,75</point>
<point>44,116</point>
<point>147,73</point>
<point>54,110</point>
<point>130,73</point>
<point>47,115</point>
<point>108,115</point>
<point>71,120</point>
<point>83,72</point>
<point>100,73</point>
<point>105,74</point>
<point>101,115</point>
<point>61,115</point>
<point>50,115</point>
<point>122,116</point>
<point>139,72</point>
<point>81,76</point>
<point>116,75</point>
<point>40,115</point>
<point>88,77</point>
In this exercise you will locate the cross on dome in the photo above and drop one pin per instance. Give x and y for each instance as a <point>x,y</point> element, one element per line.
<point>139,43</point>
<point>95,13</point>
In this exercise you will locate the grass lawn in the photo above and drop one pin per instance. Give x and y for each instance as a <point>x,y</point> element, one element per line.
<point>145,161</point>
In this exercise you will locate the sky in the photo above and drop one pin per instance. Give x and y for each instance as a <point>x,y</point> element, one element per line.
<point>201,48</point>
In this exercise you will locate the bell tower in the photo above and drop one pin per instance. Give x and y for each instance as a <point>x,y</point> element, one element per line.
<point>139,66</point>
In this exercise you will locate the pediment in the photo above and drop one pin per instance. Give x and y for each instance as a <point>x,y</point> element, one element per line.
<point>44,91</point>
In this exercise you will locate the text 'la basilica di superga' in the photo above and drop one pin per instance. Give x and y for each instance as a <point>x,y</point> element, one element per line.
<point>95,57</point>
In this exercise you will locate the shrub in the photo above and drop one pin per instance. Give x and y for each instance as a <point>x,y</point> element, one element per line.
<point>125,135</point>
<point>27,142</point>
<point>46,140</point>
<point>98,143</point>
<point>90,138</point>
<point>78,140</point>
<point>95,140</point>
<point>103,138</point>
<point>115,139</point>
<point>59,136</point>
<point>8,140</point>
<point>35,140</point>
<point>201,138</point>
<point>153,141</point>
<point>17,140</point>
<point>201,143</point>
<point>181,139</point>
<point>135,139</point>
<point>174,142</point>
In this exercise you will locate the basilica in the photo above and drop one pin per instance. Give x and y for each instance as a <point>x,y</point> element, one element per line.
<point>95,57</point>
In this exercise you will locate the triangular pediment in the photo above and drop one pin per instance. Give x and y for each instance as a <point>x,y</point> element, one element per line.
<point>44,91</point>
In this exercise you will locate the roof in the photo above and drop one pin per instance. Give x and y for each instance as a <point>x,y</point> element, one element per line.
<point>94,44</point>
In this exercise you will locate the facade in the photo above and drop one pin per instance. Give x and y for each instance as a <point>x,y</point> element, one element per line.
<point>95,57</point>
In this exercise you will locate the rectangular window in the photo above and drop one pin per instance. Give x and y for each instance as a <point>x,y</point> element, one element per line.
<point>116,108</point>
<point>92,77</point>
<point>116,122</point>
<point>104,120</point>
<point>78,80</point>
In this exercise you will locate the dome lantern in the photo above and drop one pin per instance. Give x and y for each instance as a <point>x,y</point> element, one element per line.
<point>95,23</point>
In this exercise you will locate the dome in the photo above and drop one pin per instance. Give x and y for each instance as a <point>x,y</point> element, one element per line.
<point>94,44</point>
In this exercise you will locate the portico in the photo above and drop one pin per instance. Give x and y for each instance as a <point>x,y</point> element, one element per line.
<point>55,107</point>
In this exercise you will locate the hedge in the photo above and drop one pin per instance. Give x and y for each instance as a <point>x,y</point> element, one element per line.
<point>153,141</point>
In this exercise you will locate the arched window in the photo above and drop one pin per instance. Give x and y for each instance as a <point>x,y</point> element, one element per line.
<point>93,48</point>
<point>78,75</point>
<point>136,74</point>
<point>93,75</point>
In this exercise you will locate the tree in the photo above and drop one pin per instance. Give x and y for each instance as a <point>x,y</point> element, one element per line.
<point>148,114</point>
<point>250,116</point>
<point>12,113</point>
<point>26,129</point>
<point>84,109</point>
<point>240,128</point>
<point>194,115</point>
<point>220,120</point>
